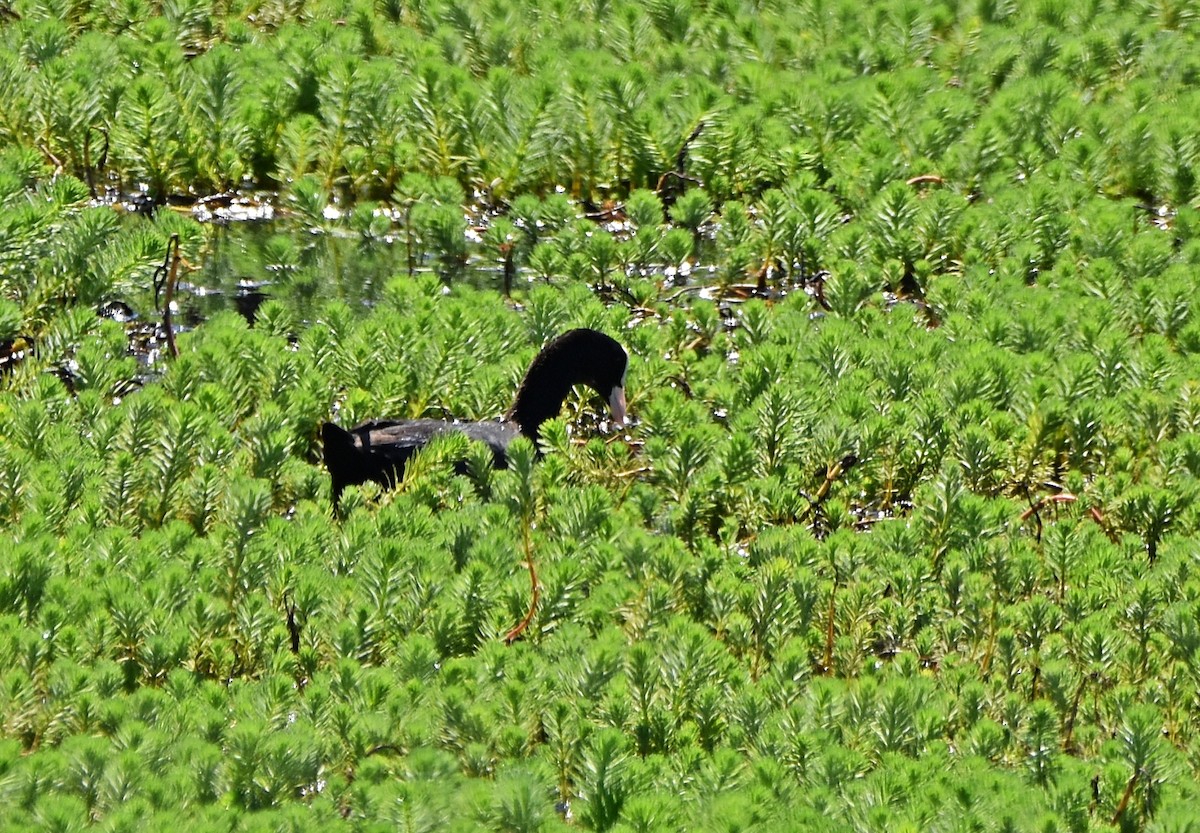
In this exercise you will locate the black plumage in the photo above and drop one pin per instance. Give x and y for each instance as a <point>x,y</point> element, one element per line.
<point>378,450</point>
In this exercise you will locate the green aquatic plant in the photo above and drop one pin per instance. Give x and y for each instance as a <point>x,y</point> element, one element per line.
<point>918,513</point>
<point>691,211</point>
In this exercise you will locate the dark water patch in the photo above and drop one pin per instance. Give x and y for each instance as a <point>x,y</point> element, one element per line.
<point>246,264</point>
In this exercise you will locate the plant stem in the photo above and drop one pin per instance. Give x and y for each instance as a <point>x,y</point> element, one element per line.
<point>1069,727</point>
<point>169,294</point>
<point>535,593</point>
<point>1125,799</point>
<point>830,630</point>
<point>509,268</point>
<point>986,663</point>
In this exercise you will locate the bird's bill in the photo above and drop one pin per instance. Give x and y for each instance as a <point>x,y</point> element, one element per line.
<point>616,404</point>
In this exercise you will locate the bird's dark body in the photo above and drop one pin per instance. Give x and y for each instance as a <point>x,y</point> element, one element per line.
<point>381,434</point>
<point>378,450</point>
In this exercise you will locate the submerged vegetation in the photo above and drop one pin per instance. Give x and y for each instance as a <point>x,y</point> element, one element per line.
<point>904,534</point>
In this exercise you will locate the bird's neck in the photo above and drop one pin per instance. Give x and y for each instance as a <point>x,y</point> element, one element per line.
<point>540,396</point>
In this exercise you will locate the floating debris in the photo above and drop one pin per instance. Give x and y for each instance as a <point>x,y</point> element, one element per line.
<point>231,207</point>
<point>12,352</point>
<point>118,311</point>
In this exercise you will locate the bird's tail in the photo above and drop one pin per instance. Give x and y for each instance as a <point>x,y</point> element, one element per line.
<point>341,455</point>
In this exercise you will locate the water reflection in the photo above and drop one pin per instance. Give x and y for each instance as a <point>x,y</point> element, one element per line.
<point>247,263</point>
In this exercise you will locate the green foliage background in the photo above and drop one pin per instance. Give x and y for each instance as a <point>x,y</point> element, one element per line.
<point>711,652</point>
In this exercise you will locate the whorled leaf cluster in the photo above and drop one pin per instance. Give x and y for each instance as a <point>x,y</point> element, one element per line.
<point>601,98</point>
<point>707,637</point>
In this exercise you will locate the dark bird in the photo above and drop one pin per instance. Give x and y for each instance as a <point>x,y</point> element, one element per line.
<point>378,450</point>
